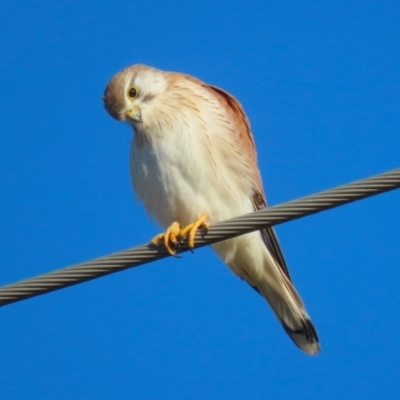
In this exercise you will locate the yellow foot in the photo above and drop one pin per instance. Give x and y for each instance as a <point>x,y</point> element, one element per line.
<point>174,234</point>
<point>191,229</point>
<point>169,237</point>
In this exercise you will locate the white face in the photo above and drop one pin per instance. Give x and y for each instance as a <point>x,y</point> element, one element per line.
<point>143,90</point>
<point>132,94</point>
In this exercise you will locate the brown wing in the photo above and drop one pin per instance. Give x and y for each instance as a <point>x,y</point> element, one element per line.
<point>258,198</point>
<point>268,234</point>
<point>242,128</point>
<point>240,123</point>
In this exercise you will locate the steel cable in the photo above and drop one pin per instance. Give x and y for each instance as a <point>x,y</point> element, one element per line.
<point>136,256</point>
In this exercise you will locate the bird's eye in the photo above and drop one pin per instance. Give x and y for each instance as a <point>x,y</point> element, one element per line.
<point>133,93</point>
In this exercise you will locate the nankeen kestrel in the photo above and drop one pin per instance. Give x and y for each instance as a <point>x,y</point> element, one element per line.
<point>193,162</point>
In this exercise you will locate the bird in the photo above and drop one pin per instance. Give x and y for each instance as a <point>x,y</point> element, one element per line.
<point>193,162</point>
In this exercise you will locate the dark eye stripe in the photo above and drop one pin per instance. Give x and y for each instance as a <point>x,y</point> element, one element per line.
<point>148,97</point>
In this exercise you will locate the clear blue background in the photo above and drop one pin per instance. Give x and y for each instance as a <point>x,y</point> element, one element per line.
<point>320,82</point>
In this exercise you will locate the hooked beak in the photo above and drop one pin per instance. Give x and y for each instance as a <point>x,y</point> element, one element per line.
<point>134,114</point>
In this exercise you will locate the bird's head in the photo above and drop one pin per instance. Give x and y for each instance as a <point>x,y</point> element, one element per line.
<point>132,94</point>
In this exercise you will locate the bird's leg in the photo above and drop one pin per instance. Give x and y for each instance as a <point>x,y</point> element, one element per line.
<point>169,237</point>
<point>173,235</point>
<point>190,230</point>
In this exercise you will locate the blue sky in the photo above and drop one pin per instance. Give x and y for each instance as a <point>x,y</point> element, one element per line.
<point>320,83</point>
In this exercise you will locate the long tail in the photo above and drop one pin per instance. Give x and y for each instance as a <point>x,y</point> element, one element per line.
<point>287,305</point>
<point>276,286</point>
<point>257,259</point>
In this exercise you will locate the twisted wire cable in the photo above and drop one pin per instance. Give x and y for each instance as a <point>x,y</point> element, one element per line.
<point>136,256</point>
